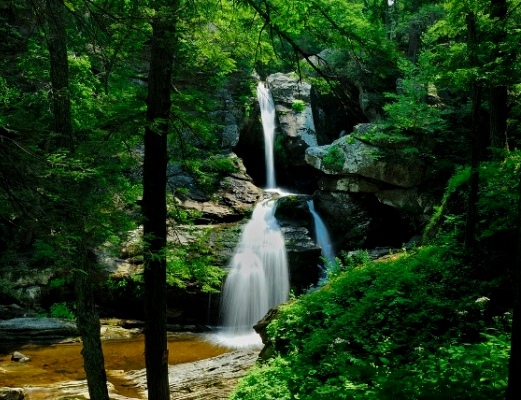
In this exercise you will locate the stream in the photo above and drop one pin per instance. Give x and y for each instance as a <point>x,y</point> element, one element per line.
<point>54,363</point>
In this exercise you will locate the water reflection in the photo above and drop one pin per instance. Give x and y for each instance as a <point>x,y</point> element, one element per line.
<point>63,362</point>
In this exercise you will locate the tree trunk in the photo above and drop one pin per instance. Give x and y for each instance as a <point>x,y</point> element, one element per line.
<point>89,325</point>
<point>154,207</point>
<point>498,93</point>
<point>514,366</point>
<point>471,220</point>
<point>87,317</point>
<point>57,44</point>
<point>415,30</point>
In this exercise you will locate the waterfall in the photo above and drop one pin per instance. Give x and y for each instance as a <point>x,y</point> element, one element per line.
<point>267,109</point>
<point>321,234</point>
<point>258,277</point>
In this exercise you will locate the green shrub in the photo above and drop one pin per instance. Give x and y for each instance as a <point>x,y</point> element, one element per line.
<point>334,159</point>
<point>194,265</point>
<point>61,310</point>
<point>385,330</point>
<point>298,106</point>
<point>7,291</point>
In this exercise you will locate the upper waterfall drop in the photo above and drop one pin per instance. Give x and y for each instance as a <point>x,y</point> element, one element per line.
<point>267,110</point>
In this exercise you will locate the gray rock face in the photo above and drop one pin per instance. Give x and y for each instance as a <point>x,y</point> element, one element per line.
<point>210,379</point>
<point>406,199</point>
<point>236,196</point>
<point>350,156</point>
<point>229,116</point>
<point>381,178</point>
<point>304,254</point>
<point>77,390</point>
<point>27,282</point>
<point>295,121</point>
<point>36,329</point>
<point>347,218</point>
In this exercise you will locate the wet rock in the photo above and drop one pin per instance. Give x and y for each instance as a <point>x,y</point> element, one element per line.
<point>36,329</point>
<point>288,90</point>
<point>350,156</point>
<point>235,197</point>
<point>210,379</point>
<point>7,393</point>
<point>76,390</point>
<point>19,357</point>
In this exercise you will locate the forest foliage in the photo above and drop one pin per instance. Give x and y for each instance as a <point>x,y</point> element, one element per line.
<point>441,75</point>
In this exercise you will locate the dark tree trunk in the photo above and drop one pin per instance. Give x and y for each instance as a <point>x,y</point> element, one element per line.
<point>498,92</point>
<point>87,317</point>
<point>414,41</point>
<point>514,366</point>
<point>89,326</point>
<point>57,44</point>
<point>498,117</point>
<point>415,30</point>
<point>471,220</point>
<point>154,207</point>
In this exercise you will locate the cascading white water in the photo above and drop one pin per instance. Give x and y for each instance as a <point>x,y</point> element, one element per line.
<point>258,277</point>
<point>267,109</point>
<point>321,234</point>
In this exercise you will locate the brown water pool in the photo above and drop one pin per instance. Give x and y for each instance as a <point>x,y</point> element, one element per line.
<point>63,362</point>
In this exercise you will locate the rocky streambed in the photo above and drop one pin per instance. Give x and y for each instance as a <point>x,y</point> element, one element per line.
<point>198,369</point>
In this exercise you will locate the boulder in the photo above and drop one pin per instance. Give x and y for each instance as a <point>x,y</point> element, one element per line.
<point>292,98</point>
<point>346,216</point>
<point>229,115</point>
<point>209,379</point>
<point>350,156</point>
<point>7,393</point>
<point>19,357</point>
<point>351,183</point>
<point>234,198</point>
<point>36,329</point>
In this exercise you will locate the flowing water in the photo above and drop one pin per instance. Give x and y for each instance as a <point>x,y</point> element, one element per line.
<point>258,277</point>
<point>322,237</point>
<point>267,109</point>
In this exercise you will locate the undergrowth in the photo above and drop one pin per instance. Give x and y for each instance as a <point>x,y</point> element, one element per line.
<point>386,330</point>
<point>431,323</point>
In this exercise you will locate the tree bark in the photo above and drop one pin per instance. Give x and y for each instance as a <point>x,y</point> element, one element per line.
<point>87,317</point>
<point>89,325</point>
<point>514,366</point>
<point>471,217</point>
<point>57,45</point>
<point>154,206</point>
<point>498,92</point>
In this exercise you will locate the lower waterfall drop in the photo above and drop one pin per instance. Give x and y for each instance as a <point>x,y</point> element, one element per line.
<point>258,278</point>
<point>322,237</point>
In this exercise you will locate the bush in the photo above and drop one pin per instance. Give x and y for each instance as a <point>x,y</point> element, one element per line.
<point>298,106</point>
<point>61,310</point>
<point>385,330</point>
<point>334,159</point>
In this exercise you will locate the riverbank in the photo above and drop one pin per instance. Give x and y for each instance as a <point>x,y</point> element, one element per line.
<point>198,369</point>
